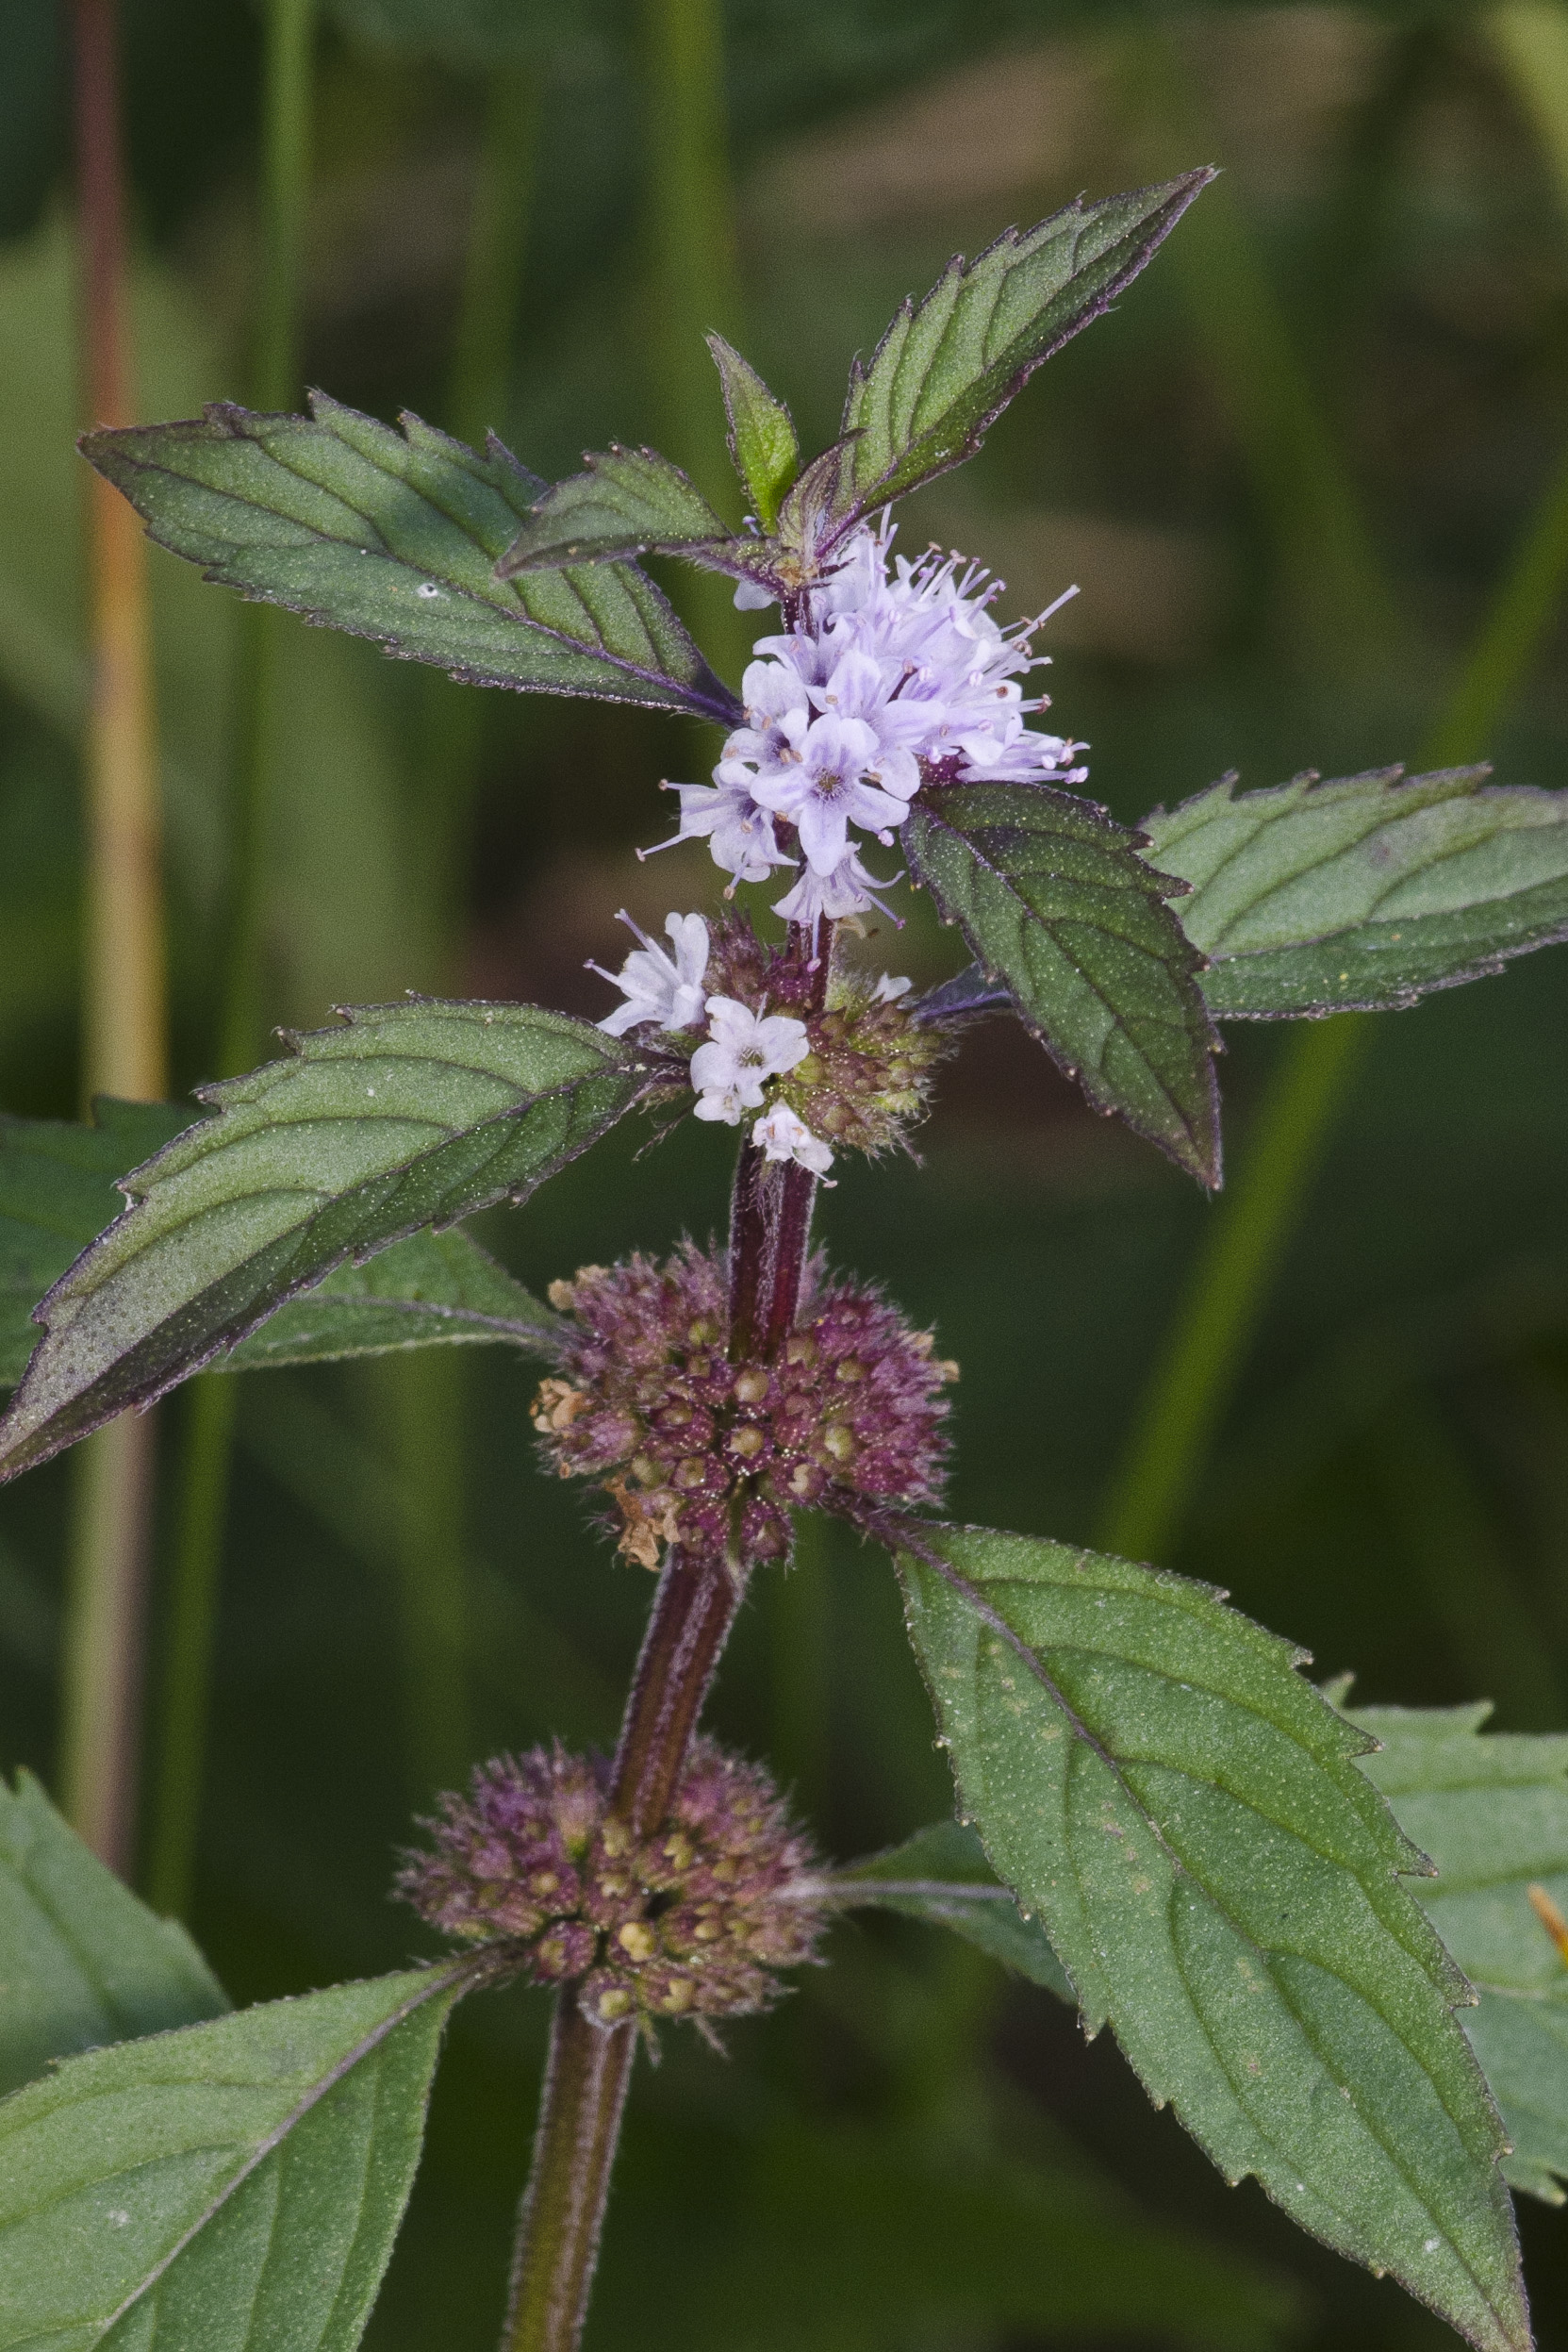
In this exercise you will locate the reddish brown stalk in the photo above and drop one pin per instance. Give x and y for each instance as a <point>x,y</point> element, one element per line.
<point>123,1011</point>
<point>588,2068</point>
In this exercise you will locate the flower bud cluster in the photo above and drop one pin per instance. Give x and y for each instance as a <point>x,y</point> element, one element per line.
<point>853,1071</point>
<point>868,1066</point>
<point>713,1455</point>
<point>691,1922</point>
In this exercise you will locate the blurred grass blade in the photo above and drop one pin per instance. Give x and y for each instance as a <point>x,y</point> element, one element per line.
<point>242,2180</point>
<point>1365,893</point>
<point>1492,1813</point>
<point>406,1116</point>
<point>395,535</point>
<point>1054,900</point>
<point>941,1874</point>
<point>1151,1775</point>
<point>125,1008</point>
<point>82,1961</point>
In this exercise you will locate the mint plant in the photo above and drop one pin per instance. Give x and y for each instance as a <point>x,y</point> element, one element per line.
<point>1158,1818</point>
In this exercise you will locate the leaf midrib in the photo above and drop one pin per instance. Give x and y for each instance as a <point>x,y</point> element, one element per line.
<point>975,1597</point>
<point>1048,924</point>
<point>317,2092</point>
<point>1180,1870</point>
<point>1439,855</point>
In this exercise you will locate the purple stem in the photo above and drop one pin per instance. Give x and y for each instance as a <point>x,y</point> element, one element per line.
<point>589,2067</point>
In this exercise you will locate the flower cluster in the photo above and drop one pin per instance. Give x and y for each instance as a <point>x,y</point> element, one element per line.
<point>847,1061</point>
<point>886,682</point>
<point>689,1921</point>
<point>712,1455</point>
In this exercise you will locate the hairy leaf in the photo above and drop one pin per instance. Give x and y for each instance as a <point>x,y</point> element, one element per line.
<point>81,1960</point>
<point>1055,901</point>
<point>947,367</point>
<point>57,1193</point>
<point>406,1116</point>
<point>941,1874</point>
<point>431,1289</point>
<point>395,535</point>
<point>237,2183</point>
<point>1188,1818</point>
<point>1492,1813</point>
<point>762,431</point>
<point>1320,897</point>
<point>626,501</point>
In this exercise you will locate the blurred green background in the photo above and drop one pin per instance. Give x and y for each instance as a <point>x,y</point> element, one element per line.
<point>1290,474</point>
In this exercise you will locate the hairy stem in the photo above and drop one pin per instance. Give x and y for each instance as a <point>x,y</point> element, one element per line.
<point>125,1013</point>
<point>563,2210</point>
<point>586,2078</point>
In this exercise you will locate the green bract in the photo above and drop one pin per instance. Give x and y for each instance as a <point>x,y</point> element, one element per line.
<point>395,535</point>
<point>1188,1817</point>
<point>1055,901</point>
<point>1366,892</point>
<point>406,1116</point>
<point>238,2182</point>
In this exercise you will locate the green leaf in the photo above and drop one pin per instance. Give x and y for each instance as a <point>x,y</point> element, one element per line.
<point>941,1874</point>
<point>946,369</point>
<point>626,501</point>
<point>1492,1813</point>
<point>57,1193</point>
<point>406,1116</point>
<point>1188,1818</point>
<point>1366,892</point>
<point>81,1960</point>
<point>395,535</point>
<point>429,1290</point>
<point>763,441</point>
<point>1054,900</point>
<point>237,2183</point>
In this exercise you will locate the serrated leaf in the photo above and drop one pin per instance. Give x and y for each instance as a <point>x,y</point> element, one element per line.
<point>58,1192</point>
<point>1492,1813</point>
<point>947,367</point>
<point>941,1876</point>
<point>1055,901</point>
<point>625,501</point>
<point>1189,1819</point>
<point>394,535</point>
<point>406,1116</point>
<point>431,1289</point>
<point>763,441</point>
<point>82,1962</point>
<point>237,2183</point>
<point>1366,892</point>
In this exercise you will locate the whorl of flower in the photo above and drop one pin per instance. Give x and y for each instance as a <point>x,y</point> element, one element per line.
<point>713,1456</point>
<point>691,1922</point>
<point>868,1066</point>
<point>884,684</point>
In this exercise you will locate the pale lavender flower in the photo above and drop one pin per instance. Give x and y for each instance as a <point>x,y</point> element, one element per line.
<point>659,987</point>
<point>781,1135</point>
<point>743,1050</point>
